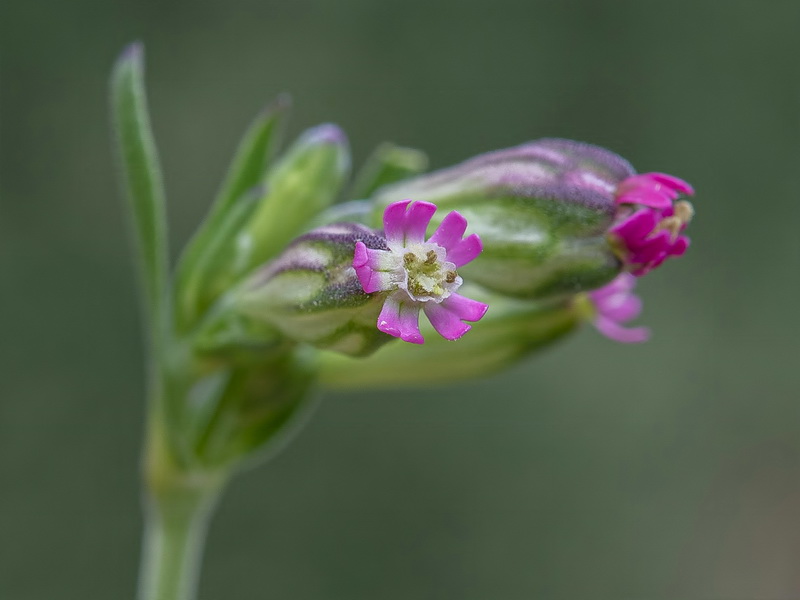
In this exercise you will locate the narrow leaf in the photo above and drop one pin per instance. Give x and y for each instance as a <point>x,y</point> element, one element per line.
<point>246,171</point>
<point>253,155</point>
<point>387,164</point>
<point>213,262</point>
<point>142,174</point>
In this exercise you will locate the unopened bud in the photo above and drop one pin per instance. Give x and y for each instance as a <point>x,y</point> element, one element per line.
<point>542,211</point>
<point>303,182</point>
<point>311,293</point>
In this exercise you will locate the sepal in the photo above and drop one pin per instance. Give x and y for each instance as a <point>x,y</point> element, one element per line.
<point>311,294</point>
<point>541,209</point>
<point>509,331</point>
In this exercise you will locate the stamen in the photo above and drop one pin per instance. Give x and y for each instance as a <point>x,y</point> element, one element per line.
<point>684,211</point>
<point>450,277</point>
<point>671,224</point>
<point>430,257</point>
<point>415,287</point>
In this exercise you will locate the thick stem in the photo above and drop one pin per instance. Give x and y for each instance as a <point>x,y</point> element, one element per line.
<point>176,521</point>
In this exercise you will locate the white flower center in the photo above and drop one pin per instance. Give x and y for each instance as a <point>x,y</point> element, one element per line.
<point>426,272</point>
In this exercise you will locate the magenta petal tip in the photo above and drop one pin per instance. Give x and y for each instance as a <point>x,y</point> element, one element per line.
<point>615,304</point>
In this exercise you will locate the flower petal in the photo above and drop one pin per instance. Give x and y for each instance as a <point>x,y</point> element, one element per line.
<point>651,198</point>
<point>389,319</point>
<point>656,190</point>
<point>361,256</point>
<point>618,333</point>
<point>621,307</point>
<point>400,318</point>
<point>652,248</point>
<point>465,308</point>
<point>638,225</point>
<point>679,246</point>
<point>450,231</point>
<point>365,263</point>
<point>465,251</point>
<point>409,323</point>
<point>675,183</point>
<point>416,222</point>
<point>622,283</point>
<point>445,322</point>
<point>394,220</point>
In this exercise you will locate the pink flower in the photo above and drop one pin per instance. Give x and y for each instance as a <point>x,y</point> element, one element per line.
<point>419,274</point>
<point>647,236</point>
<point>614,305</point>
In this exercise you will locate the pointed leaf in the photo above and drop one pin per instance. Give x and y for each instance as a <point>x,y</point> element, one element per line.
<point>142,175</point>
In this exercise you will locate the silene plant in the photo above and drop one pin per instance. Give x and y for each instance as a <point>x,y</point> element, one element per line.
<point>301,279</point>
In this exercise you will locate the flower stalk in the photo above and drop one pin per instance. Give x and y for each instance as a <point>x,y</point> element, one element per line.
<point>177,510</point>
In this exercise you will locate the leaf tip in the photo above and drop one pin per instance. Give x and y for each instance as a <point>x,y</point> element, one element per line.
<point>279,105</point>
<point>133,53</point>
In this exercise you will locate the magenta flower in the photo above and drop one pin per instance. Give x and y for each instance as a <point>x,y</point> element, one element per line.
<point>614,305</point>
<point>651,234</point>
<point>420,274</point>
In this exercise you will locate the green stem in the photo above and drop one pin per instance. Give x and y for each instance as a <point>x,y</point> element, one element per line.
<point>176,521</point>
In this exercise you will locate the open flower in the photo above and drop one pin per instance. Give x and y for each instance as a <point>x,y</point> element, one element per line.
<point>647,236</point>
<point>419,274</point>
<point>615,304</point>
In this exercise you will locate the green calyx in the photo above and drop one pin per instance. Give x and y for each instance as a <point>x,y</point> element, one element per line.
<point>511,330</point>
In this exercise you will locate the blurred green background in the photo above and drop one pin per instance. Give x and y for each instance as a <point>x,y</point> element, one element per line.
<point>594,470</point>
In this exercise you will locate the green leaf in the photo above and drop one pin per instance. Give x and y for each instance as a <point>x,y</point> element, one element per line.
<point>202,280</point>
<point>258,408</point>
<point>387,164</point>
<point>233,206</point>
<point>142,174</point>
<point>255,151</point>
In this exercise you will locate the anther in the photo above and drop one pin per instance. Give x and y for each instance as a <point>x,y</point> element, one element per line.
<point>684,211</point>
<point>671,224</point>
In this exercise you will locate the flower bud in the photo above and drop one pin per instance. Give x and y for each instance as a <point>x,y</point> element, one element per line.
<point>303,182</point>
<point>311,293</point>
<point>543,211</point>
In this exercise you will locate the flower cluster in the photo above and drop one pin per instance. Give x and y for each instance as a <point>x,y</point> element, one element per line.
<point>420,274</point>
<point>557,223</point>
